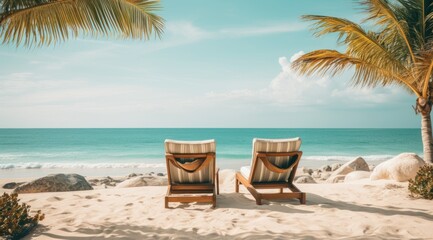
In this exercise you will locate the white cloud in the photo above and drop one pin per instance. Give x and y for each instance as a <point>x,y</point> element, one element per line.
<point>179,33</point>
<point>261,30</point>
<point>291,89</point>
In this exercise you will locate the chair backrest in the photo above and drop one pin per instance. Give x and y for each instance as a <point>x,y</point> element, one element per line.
<point>189,153</point>
<point>259,172</point>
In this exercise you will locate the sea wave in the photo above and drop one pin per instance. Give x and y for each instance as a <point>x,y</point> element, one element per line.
<point>37,165</point>
<point>348,158</point>
<point>133,163</point>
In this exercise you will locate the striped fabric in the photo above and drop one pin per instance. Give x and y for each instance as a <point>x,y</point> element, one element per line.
<point>178,175</point>
<point>173,146</point>
<point>262,174</point>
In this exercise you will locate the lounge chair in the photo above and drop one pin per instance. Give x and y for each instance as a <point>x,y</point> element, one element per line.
<point>191,170</point>
<point>273,166</point>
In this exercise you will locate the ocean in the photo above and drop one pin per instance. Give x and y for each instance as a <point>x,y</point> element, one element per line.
<point>99,152</point>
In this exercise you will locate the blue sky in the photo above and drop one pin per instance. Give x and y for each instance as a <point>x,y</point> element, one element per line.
<point>219,64</point>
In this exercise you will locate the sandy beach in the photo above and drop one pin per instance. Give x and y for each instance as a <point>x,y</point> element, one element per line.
<point>361,209</point>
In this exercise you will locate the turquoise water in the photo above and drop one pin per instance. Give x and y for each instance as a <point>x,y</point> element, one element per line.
<point>143,148</point>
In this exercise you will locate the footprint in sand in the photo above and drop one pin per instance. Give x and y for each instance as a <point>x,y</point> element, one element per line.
<point>128,204</point>
<point>54,199</point>
<point>92,196</point>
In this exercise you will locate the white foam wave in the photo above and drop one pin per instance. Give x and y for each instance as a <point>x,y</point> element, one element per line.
<point>36,165</point>
<point>348,158</point>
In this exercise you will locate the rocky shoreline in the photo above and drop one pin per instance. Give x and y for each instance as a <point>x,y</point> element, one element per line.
<point>400,168</point>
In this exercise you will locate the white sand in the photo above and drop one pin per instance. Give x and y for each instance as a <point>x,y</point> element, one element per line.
<point>359,210</point>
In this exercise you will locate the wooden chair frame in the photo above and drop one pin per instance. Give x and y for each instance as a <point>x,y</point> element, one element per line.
<point>178,192</point>
<point>252,186</point>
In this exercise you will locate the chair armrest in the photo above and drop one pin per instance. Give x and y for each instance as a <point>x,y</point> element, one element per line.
<point>218,180</point>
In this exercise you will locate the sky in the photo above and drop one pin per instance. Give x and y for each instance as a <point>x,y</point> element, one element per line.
<point>222,63</point>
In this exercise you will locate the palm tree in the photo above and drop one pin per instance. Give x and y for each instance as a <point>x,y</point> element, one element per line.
<point>47,22</point>
<point>396,49</point>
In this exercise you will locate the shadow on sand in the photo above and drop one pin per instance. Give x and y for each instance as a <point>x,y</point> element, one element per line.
<point>226,201</point>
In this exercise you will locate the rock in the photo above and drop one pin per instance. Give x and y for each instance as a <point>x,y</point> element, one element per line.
<point>134,182</point>
<point>325,168</point>
<point>305,170</point>
<point>400,168</point>
<point>300,172</point>
<point>55,183</point>
<point>305,179</point>
<point>160,174</point>
<point>94,182</point>
<point>132,175</point>
<point>335,178</point>
<point>357,164</point>
<point>336,166</point>
<point>325,175</point>
<point>316,174</point>
<point>140,181</point>
<point>356,175</point>
<point>12,185</point>
<point>107,181</point>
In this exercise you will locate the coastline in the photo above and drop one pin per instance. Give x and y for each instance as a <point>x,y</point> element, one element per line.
<point>365,209</point>
<point>33,170</point>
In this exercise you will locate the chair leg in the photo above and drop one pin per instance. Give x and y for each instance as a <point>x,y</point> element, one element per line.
<point>281,190</point>
<point>166,195</point>
<point>303,199</point>
<point>214,201</point>
<point>218,182</point>
<point>237,185</point>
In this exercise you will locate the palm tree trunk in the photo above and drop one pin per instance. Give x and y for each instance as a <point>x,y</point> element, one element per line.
<point>427,139</point>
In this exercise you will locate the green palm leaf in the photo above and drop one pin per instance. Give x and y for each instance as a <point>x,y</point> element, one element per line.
<point>396,50</point>
<point>45,22</point>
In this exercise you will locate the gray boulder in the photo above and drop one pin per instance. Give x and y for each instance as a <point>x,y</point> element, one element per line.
<point>55,183</point>
<point>305,179</point>
<point>132,175</point>
<point>325,168</point>
<point>12,185</point>
<point>106,181</point>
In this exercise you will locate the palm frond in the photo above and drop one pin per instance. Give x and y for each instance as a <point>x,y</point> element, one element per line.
<point>332,62</point>
<point>423,70</point>
<point>51,21</point>
<point>383,13</point>
<point>360,43</point>
<point>428,12</point>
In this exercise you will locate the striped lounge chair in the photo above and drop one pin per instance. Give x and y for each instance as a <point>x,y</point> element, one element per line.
<point>273,166</point>
<point>191,170</point>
